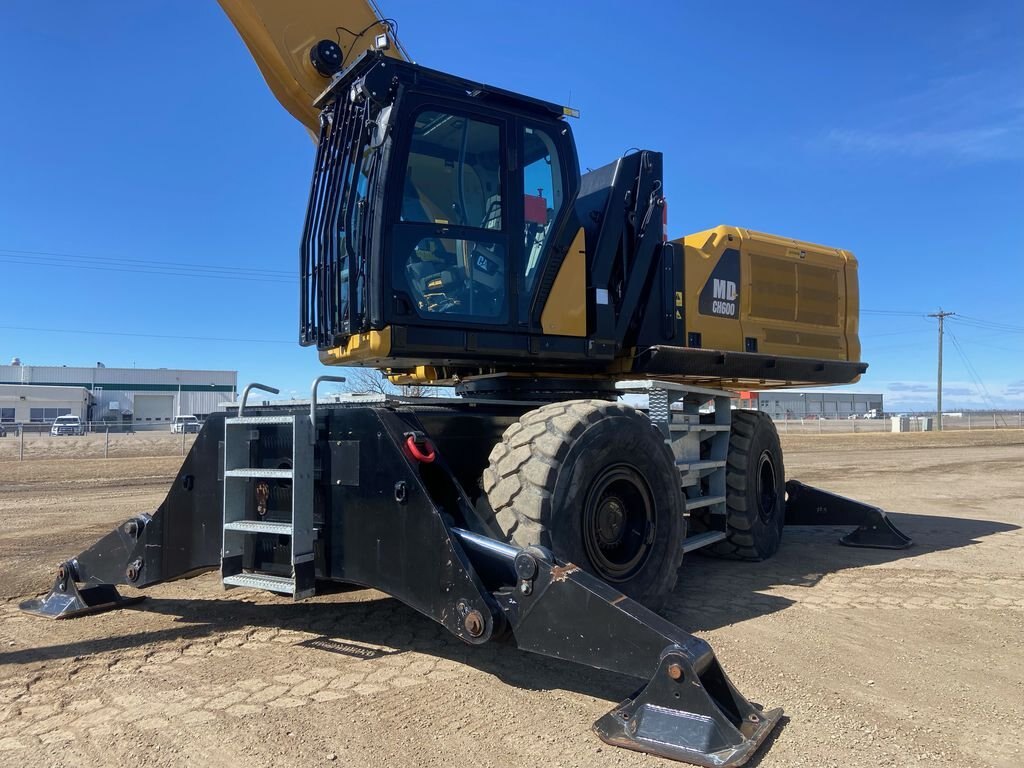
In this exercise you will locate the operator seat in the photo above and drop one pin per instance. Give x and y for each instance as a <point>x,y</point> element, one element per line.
<point>486,263</point>
<point>431,268</point>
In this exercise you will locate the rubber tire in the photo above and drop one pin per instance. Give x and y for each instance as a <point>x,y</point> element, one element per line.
<point>748,536</point>
<point>539,475</point>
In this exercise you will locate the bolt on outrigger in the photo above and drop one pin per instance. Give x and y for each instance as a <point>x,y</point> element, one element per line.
<point>281,498</point>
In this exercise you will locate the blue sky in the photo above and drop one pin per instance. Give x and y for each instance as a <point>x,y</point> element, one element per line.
<point>143,132</point>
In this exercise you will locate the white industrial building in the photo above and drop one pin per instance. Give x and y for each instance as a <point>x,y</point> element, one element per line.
<point>824,404</point>
<point>139,396</point>
<point>25,404</point>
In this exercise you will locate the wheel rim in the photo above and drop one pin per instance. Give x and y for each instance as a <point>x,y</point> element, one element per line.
<point>767,488</point>
<point>618,523</point>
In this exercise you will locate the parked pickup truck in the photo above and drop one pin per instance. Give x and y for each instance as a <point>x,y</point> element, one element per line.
<point>185,424</point>
<point>67,425</point>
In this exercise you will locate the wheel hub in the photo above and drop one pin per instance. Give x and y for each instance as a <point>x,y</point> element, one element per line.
<point>611,518</point>
<point>618,523</point>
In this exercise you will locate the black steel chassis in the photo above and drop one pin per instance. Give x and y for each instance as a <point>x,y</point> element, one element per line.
<point>386,519</point>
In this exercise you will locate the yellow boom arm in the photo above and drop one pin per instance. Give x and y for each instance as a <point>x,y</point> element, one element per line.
<point>280,36</point>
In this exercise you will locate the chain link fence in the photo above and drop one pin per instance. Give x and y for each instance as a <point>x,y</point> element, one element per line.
<point>34,441</point>
<point>910,423</point>
<point>97,441</point>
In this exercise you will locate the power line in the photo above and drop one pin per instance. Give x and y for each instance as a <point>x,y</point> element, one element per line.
<point>144,262</point>
<point>991,322</point>
<point>976,343</point>
<point>22,261</point>
<point>888,347</point>
<point>973,373</point>
<point>989,325</point>
<point>145,335</point>
<point>162,268</point>
<point>894,333</point>
<point>964,320</point>
<point>993,332</point>
<point>892,312</point>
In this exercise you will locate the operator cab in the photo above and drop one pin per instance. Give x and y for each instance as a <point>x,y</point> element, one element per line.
<point>438,207</point>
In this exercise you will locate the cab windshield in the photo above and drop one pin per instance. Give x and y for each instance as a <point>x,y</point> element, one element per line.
<point>453,183</point>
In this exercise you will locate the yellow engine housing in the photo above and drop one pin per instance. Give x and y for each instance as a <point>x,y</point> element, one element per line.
<point>794,298</point>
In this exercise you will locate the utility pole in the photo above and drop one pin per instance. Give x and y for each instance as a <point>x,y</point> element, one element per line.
<point>938,400</point>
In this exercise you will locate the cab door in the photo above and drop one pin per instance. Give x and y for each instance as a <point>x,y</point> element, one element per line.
<point>450,250</point>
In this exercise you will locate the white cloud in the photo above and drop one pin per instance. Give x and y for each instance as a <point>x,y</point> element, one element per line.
<point>920,395</point>
<point>966,117</point>
<point>911,386</point>
<point>993,142</point>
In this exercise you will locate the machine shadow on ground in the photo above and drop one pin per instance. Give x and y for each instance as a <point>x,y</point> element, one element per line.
<point>361,630</point>
<point>712,593</point>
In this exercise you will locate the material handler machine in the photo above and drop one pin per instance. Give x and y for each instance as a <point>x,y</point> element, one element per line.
<point>451,240</point>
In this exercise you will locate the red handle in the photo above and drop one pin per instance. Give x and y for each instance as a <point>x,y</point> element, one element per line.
<point>419,455</point>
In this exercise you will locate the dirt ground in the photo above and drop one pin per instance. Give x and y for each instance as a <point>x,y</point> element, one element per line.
<point>880,658</point>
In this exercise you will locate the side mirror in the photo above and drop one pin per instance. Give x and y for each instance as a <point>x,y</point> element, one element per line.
<point>380,127</point>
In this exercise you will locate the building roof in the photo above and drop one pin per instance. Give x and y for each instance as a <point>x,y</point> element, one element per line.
<point>124,379</point>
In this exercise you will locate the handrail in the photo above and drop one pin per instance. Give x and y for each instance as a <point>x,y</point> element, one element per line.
<point>248,388</point>
<point>312,399</point>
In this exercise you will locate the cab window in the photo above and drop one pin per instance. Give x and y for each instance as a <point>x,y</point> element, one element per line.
<point>542,197</point>
<point>456,265</point>
<point>454,172</point>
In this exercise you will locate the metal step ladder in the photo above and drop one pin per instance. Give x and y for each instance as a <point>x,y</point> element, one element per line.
<point>676,410</point>
<point>246,493</point>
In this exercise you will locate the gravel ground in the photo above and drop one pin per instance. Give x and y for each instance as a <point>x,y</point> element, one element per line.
<point>908,658</point>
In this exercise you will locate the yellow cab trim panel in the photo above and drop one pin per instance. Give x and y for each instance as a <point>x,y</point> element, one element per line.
<point>373,345</point>
<point>421,374</point>
<point>565,311</point>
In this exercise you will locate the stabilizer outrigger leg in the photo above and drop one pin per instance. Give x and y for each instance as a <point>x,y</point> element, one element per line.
<point>665,717</point>
<point>689,710</point>
<point>180,538</point>
<point>806,505</point>
<point>65,600</point>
